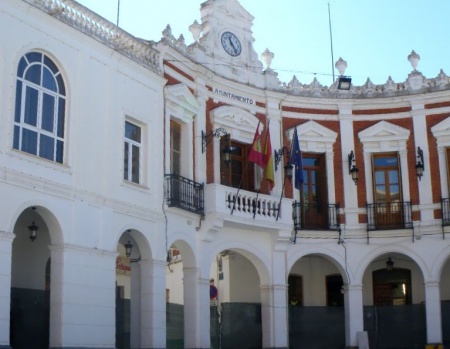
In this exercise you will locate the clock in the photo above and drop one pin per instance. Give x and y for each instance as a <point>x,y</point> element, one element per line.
<point>231,44</point>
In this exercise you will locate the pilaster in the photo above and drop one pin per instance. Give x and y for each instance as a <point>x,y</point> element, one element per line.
<point>347,146</point>
<point>354,315</point>
<point>82,297</point>
<point>274,316</point>
<point>153,304</point>
<point>421,140</point>
<point>6,240</point>
<point>433,312</point>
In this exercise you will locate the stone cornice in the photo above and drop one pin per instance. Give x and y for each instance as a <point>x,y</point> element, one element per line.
<point>81,18</point>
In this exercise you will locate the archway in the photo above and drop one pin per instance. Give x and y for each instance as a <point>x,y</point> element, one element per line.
<point>235,302</point>
<point>174,299</point>
<point>128,290</point>
<point>316,304</point>
<point>394,302</point>
<point>30,281</point>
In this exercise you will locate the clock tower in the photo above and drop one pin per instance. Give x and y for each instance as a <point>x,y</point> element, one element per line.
<point>226,42</point>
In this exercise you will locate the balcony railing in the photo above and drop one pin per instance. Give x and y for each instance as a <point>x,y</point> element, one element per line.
<point>445,206</point>
<point>185,193</point>
<point>391,215</point>
<point>315,216</point>
<point>253,204</point>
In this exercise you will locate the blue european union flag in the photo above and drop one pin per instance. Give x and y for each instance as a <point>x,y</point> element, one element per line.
<point>296,160</point>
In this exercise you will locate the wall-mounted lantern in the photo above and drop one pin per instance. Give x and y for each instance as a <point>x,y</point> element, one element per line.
<point>352,169</point>
<point>419,166</point>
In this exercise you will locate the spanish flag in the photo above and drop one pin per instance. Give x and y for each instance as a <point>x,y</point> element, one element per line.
<point>256,155</point>
<point>268,161</point>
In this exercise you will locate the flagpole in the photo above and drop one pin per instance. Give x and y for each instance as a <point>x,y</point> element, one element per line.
<point>118,12</point>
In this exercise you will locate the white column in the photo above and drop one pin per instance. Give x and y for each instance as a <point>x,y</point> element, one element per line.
<point>204,313</point>
<point>433,312</point>
<point>200,125</point>
<point>5,286</point>
<point>153,303</point>
<point>274,311</point>
<point>354,315</point>
<point>421,140</point>
<point>192,322</point>
<point>82,297</point>
<point>274,316</point>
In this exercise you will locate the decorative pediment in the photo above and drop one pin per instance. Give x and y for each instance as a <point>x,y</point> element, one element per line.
<point>441,132</point>
<point>181,101</point>
<point>239,123</point>
<point>313,137</point>
<point>384,131</point>
<point>311,131</point>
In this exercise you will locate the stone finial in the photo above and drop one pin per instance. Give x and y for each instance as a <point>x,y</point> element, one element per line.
<point>414,59</point>
<point>195,30</point>
<point>341,65</point>
<point>267,57</point>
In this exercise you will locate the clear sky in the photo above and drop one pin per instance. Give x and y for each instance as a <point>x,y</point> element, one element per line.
<point>373,36</point>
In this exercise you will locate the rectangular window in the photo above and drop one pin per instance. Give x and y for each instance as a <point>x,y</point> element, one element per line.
<point>388,206</point>
<point>239,172</point>
<point>175,148</point>
<point>132,153</point>
<point>313,193</point>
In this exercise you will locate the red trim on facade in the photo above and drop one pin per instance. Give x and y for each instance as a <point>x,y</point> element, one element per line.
<point>310,111</point>
<point>381,111</point>
<point>178,70</point>
<point>437,105</point>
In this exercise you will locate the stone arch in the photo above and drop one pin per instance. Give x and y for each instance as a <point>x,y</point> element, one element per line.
<point>382,250</point>
<point>136,232</point>
<point>47,212</point>
<point>438,263</point>
<point>335,258</point>
<point>253,254</point>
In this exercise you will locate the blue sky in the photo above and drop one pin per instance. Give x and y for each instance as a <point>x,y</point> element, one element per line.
<point>373,36</point>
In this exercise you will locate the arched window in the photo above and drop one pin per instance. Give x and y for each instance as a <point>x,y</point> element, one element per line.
<point>40,108</point>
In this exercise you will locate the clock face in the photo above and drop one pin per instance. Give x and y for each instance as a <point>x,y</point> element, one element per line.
<point>231,44</point>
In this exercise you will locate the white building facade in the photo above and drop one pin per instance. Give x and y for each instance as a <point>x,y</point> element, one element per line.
<point>122,215</point>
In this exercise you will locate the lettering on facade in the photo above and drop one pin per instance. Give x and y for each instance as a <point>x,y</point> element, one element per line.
<point>123,265</point>
<point>230,95</point>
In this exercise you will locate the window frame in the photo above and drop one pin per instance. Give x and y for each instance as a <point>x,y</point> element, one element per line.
<point>128,160</point>
<point>40,108</point>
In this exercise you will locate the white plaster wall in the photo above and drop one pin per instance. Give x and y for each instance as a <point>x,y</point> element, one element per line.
<point>314,270</point>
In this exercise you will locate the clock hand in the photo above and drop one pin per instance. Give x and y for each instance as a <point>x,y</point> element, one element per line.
<point>231,43</point>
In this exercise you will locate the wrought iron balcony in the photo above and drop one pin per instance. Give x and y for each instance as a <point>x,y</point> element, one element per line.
<point>390,215</point>
<point>185,193</point>
<point>445,206</point>
<point>315,216</point>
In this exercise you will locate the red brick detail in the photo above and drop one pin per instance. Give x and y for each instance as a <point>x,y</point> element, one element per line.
<point>178,70</point>
<point>311,111</point>
<point>437,105</point>
<point>381,111</point>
